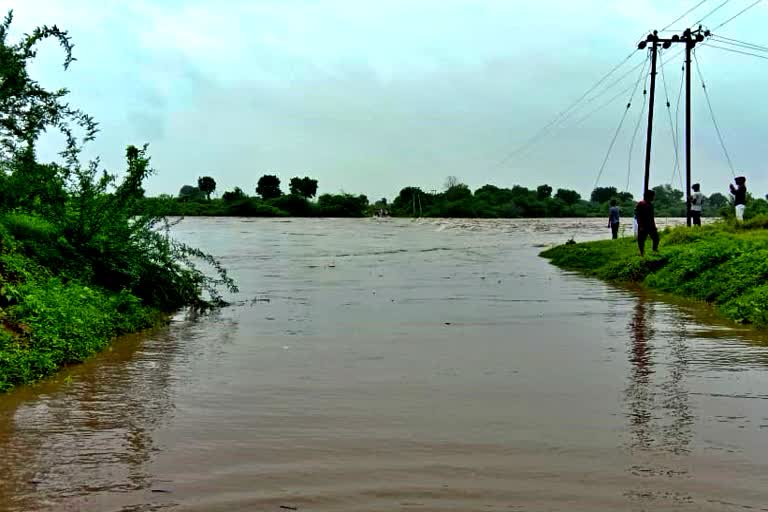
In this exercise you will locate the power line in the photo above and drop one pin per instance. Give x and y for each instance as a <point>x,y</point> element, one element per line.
<point>544,130</point>
<point>677,113</point>
<point>568,112</point>
<point>618,128</point>
<point>602,106</point>
<point>686,13</point>
<point>712,114</point>
<point>618,95</point>
<point>729,40</point>
<point>737,14</point>
<point>635,131</point>
<point>713,11</point>
<point>740,44</point>
<point>676,167</point>
<point>610,147</point>
<point>618,80</point>
<point>564,123</point>
<point>735,51</point>
<point>602,93</point>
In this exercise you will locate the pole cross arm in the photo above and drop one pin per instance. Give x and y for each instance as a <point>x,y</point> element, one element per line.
<point>688,36</point>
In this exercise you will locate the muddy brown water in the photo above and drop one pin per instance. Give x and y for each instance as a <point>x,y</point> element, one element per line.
<point>402,365</point>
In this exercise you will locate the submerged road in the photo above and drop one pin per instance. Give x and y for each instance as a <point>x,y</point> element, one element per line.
<point>391,364</point>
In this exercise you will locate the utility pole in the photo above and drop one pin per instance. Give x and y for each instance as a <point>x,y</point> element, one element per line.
<point>653,40</point>
<point>689,44</point>
<point>689,38</point>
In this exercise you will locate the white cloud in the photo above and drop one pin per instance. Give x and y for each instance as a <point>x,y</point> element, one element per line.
<point>370,96</point>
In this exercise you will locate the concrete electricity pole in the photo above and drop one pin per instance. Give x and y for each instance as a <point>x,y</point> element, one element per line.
<point>689,38</point>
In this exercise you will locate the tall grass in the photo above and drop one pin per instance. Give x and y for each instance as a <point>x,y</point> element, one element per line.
<point>725,264</point>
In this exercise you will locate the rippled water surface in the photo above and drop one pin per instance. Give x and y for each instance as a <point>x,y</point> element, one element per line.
<point>402,365</point>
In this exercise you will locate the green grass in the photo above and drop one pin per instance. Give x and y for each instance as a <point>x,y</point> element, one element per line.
<point>48,321</point>
<point>722,264</point>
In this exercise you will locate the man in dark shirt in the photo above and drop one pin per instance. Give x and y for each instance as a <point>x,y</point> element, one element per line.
<point>646,222</point>
<point>739,193</point>
<point>613,219</point>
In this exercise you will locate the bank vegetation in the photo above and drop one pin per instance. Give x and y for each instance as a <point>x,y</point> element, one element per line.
<point>724,264</point>
<point>77,265</point>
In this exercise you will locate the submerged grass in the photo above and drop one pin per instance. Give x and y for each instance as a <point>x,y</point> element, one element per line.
<point>48,321</point>
<point>723,264</point>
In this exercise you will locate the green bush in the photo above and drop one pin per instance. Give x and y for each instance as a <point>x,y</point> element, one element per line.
<point>294,205</point>
<point>342,205</point>
<point>78,264</point>
<point>64,323</point>
<point>723,264</point>
<point>43,242</point>
<point>253,207</point>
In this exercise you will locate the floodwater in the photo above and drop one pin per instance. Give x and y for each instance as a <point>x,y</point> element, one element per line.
<point>382,364</point>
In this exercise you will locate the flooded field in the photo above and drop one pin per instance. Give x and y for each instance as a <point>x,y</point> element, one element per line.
<point>379,365</point>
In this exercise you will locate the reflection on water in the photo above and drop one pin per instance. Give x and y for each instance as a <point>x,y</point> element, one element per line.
<point>401,365</point>
<point>651,389</point>
<point>89,430</point>
<point>678,434</point>
<point>640,396</point>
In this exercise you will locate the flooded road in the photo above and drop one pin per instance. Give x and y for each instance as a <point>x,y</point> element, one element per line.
<point>379,365</point>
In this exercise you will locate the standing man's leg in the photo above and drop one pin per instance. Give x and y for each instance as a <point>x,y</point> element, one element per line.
<point>615,230</point>
<point>696,217</point>
<point>641,236</point>
<point>740,212</point>
<point>655,239</point>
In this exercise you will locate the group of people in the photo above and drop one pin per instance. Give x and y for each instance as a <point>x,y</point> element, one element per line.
<point>645,220</point>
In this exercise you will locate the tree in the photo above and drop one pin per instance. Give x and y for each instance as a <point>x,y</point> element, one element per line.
<point>190,193</point>
<point>569,197</point>
<point>234,195</point>
<point>716,200</point>
<point>268,187</point>
<point>109,245</point>
<point>26,108</point>
<point>521,192</point>
<point>668,196</point>
<point>458,192</point>
<point>450,182</point>
<point>495,196</point>
<point>342,205</point>
<point>603,194</point>
<point>543,192</point>
<point>304,187</point>
<point>207,185</point>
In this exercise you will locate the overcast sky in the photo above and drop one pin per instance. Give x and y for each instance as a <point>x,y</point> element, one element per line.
<point>369,97</point>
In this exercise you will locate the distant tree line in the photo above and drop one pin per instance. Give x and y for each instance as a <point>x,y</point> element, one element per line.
<point>456,200</point>
<point>490,201</point>
<point>269,200</point>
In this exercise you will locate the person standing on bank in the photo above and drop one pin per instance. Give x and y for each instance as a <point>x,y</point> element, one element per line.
<point>646,222</point>
<point>739,193</point>
<point>697,202</point>
<point>613,219</point>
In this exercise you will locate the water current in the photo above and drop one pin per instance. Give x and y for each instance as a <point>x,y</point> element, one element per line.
<point>396,364</point>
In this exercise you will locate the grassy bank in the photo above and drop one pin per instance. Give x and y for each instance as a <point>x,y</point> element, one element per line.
<point>78,265</point>
<point>49,321</point>
<point>721,264</point>
<point>70,285</point>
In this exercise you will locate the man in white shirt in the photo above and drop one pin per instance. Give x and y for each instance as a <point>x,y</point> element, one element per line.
<point>697,201</point>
